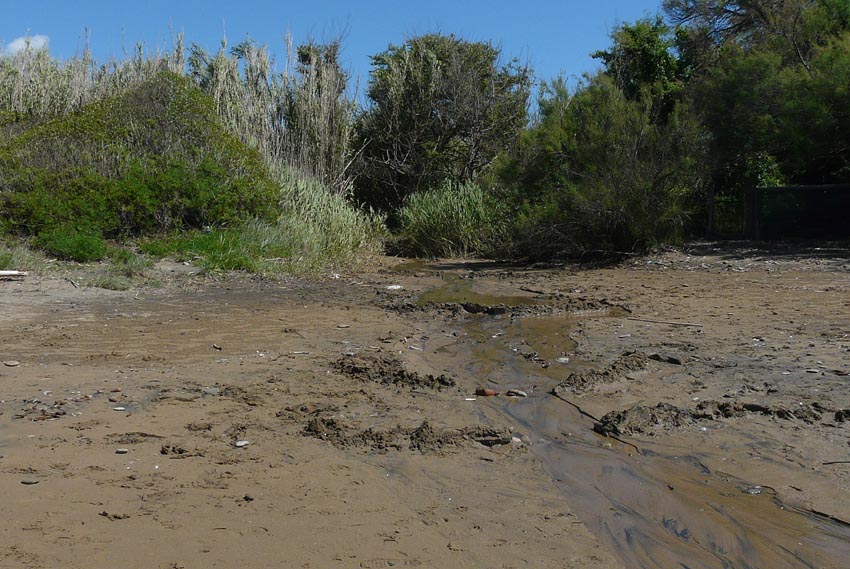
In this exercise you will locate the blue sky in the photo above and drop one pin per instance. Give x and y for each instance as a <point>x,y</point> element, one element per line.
<point>556,36</point>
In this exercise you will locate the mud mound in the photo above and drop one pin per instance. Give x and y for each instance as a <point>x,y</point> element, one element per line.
<point>727,410</point>
<point>424,438</point>
<point>535,306</point>
<point>388,370</point>
<point>643,420</point>
<point>582,381</point>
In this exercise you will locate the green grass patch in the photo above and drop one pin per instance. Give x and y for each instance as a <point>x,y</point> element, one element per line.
<point>82,246</point>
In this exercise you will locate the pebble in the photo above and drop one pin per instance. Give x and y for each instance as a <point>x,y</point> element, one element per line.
<point>121,451</point>
<point>516,393</point>
<point>812,370</point>
<point>343,326</point>
<point>242,444</point>
<point>29,481</point>
<point>563,360</point>
<point>212,391</point>
<point>11,363</point>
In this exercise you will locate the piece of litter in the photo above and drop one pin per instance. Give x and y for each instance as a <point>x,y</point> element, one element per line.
<point>343,326</point>
<point>29,481</point>
<point>119,408</point>
<point>395,287</point>
<point>121,451</point>
<point>486,392</point>
<point>241,444</point>
<point>516,393</point>
<point>563,360</point>
<point>11,363</point>
<point>417,348</point>
<point>471,399</point>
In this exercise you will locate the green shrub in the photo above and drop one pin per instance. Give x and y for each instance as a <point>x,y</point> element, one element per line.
<point>151,160</point>
<point>452,220</point>
<point>72,245</point>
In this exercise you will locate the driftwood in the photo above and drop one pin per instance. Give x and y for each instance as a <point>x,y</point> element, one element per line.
<point>6,275</point>
<point>665,322</point>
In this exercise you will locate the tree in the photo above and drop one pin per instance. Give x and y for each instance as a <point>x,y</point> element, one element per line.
<point>795,27</point>
<point>641,55</point>
<point>601,171</point>
<point>440,108</point>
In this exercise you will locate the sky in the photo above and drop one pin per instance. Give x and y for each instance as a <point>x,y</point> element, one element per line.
<point>554,36</point>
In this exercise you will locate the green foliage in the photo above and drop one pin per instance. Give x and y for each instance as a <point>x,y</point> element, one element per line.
<point>316,229</point>
<point>153,159</point>
<point>603,172</point>
<point>70,244</point>
<point>772,121</point>
<point>440,108</point>
<point>452,220</point>
<point>642,55</point>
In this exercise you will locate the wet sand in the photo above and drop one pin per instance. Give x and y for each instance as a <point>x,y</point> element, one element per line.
<point>367,448</point>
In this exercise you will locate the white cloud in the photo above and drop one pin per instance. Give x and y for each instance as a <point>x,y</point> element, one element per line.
<point>19,44</point>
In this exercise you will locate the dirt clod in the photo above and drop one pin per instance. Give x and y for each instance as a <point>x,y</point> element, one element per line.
<point>388,370</point>
<point>582,381</point>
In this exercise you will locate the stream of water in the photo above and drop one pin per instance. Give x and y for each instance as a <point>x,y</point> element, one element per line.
<point>656,506</point>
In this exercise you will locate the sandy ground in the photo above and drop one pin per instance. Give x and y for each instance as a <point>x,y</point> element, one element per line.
<point>223,423</point>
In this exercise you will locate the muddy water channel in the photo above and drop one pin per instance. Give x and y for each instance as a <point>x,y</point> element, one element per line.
<point>656,505</point>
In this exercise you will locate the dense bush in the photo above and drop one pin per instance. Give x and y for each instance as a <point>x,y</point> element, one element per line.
<point>602,172</point>
<point>452,220</point>
<point>153,159</point>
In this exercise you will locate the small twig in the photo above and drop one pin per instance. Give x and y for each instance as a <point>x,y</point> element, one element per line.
<point>836,462</point>
<point>664,322</point>
<point>526,289</point>
<point>586,414</point>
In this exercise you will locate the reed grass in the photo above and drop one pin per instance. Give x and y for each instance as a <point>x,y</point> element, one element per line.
<point>452,220</point>
<point>300,120</point>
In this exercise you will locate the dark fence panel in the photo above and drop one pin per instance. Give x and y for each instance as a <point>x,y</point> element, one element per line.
<point>798,212</point>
